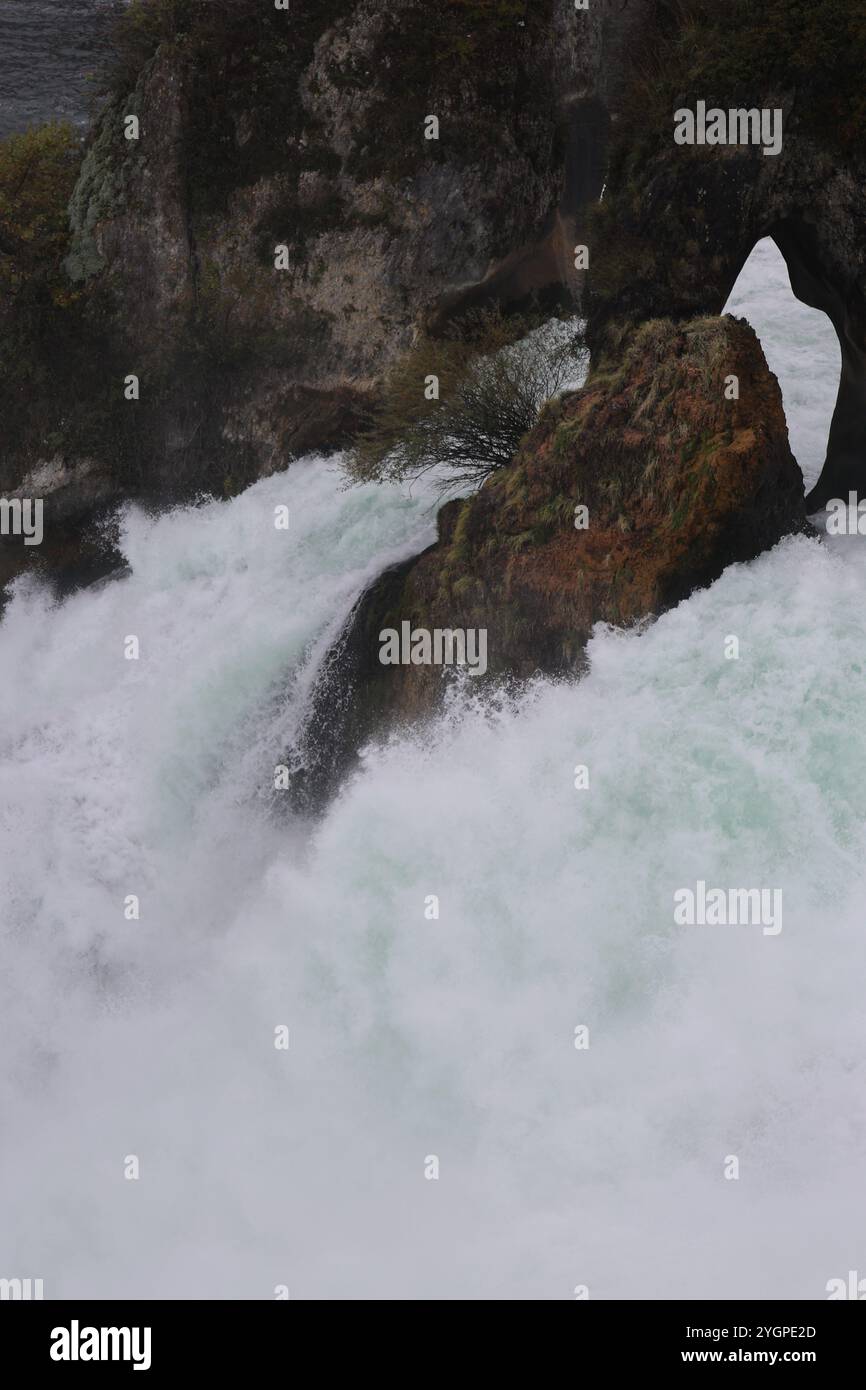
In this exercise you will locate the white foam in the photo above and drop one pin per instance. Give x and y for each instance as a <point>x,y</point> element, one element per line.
<point>412,1037</point>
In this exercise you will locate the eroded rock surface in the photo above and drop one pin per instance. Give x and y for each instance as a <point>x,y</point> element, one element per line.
<point>678,481</point>
<point>306,129</point>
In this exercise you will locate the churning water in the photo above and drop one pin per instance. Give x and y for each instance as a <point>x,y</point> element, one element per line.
<point>452,1037</point>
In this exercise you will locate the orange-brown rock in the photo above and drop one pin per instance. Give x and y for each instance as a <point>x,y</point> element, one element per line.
<point>679,452</point>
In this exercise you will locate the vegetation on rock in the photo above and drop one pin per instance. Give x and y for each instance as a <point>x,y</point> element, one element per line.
<point>50,360</point>
<point>463,402</point>
<point>627,494</point>
<point>38,170</point>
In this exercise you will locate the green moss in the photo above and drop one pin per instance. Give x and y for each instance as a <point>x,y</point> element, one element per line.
<point>458,551</point>
<point>557,510</point>
<point>679,515</point>
<point>98,193</point>
<point>566,436</point>
<point>37,175</point>
<point>521,541</point>
<point>687,453</point>
<point>464,587</point>
<point>50,360</point>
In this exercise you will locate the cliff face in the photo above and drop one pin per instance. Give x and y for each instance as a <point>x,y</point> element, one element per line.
<point>678,222</point>
<point>677,480</point>
<point>306,129</point>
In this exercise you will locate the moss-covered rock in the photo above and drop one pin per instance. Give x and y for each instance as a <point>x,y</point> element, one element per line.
<point>679,476</point>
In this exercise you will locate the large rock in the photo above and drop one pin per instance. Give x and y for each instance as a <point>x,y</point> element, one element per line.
<point>678,481</point>
<point>302,128</point>
<point>306,128</point>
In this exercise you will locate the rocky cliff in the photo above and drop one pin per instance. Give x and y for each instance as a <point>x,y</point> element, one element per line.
<point>678,479</point>
<point>257,129</point>
<point>678,222</point>
<point>281,228</point>
<point>626,496</point>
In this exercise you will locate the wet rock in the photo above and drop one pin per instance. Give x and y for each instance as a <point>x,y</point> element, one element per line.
<point>628,495</point>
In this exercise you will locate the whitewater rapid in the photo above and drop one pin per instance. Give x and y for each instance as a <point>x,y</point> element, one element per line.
<point>454,1037</point>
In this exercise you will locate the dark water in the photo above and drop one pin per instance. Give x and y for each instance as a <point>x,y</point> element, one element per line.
<point>48,51</point>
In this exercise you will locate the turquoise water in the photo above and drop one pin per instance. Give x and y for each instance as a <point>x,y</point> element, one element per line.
<point>451,1037</point>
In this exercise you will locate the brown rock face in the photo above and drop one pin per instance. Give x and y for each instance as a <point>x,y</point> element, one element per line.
<point>306,129</point>
<point>303,129</point>
<point>677,480</point>
<point>262,130</point>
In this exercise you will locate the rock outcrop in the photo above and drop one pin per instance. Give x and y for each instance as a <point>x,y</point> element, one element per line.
<point>281,230</point>
<point>678,222</point>
<point>306,129</point>
<point>678,480</point>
